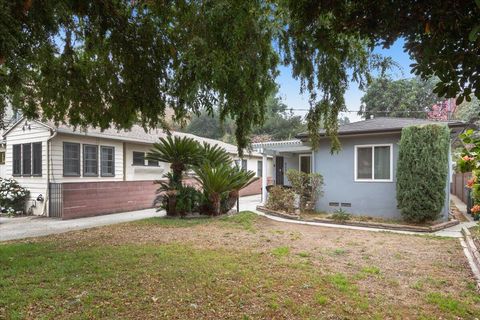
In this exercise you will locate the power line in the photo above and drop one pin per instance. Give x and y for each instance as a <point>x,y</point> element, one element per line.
<point>370,112</point>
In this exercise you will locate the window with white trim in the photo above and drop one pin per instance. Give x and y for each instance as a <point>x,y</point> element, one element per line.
<point>107,161</point>
<point>373,162</point>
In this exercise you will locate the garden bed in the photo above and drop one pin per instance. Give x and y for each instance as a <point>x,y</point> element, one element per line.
<point>390,225</point>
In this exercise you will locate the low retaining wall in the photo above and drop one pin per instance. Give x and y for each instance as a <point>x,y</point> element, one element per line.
<point>369,224</point>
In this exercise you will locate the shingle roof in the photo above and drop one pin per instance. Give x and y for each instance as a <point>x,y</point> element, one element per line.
<point>379,125</point>
<point>138,134</point>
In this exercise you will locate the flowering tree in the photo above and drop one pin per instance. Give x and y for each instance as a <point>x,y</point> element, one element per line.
<point>469,161</point>
<point>442,111</point>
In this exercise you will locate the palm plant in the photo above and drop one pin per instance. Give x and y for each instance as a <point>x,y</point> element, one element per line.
<point>181,153</point>
<point>221,180</point>
<point>214,155</point>
<point>240,179</point>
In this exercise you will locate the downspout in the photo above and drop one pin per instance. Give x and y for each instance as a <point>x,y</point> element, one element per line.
<point>47,194</point>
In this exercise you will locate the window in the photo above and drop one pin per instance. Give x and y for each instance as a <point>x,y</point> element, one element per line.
<point>90,160</point>
<point>153,163</point>
<point>17,160</point>
<point>138,158</point>
<point>107,160</point>
<point>37,159</point>
<point>305,163</point>
<point>373,163</point>
<point>2,157</point>
<point>71,159</point>
<point>259,168</point>
<point>27,159</point>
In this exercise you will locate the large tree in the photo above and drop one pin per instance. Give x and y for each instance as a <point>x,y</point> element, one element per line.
<point>280,123</point>
<point>405,98</point>
<point>116,62</point>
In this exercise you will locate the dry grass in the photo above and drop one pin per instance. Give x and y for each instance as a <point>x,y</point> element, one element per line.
<point>242,267</point>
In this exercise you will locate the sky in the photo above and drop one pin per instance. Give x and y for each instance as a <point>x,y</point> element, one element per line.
<point>289,88</point>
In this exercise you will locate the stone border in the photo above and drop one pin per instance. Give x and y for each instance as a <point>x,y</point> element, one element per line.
<point>376,225</point>
<point>472,254</point>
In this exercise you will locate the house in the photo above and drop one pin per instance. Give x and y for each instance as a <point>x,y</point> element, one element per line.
<point>361,177</point>
<point>73,173</point>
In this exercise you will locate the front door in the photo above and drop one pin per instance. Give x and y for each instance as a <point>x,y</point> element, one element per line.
<point>279,171</point>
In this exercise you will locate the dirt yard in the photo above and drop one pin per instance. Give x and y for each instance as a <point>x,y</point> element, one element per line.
<point>244,267</point>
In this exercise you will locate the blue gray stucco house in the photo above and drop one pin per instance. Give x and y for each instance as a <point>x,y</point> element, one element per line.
<point>361,178</point>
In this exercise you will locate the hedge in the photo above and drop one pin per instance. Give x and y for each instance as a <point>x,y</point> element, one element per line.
<point>422,171</point>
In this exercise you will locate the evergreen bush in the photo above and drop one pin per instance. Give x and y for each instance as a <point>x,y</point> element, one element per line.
<point>422,171</point>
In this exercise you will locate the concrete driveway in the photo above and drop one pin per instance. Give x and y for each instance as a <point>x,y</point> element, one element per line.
<point>33,226</point>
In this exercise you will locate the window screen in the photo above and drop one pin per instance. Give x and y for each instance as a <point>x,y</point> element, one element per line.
<point>71,159</point>
<point>138,158</point>
<point>37,159</point>
<point>90,160</point>
<point>259,168</point>
<point>17,160</point>
<point>27,159</point>
<point>373,163</point>
<point>108,161</point>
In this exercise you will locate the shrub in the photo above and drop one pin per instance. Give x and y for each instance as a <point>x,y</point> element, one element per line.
<point>341,215</point>
<point>422,171</point>
<point>13,197</point>
<point>281,199</point>
<point>469,160</point>
<point>307,186</point>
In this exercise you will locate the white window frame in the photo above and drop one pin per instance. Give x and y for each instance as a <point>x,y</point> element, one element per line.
<point>372,146</point>
<point>300,161</point>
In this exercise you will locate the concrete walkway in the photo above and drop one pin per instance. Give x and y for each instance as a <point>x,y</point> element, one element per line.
<point>33,226</point>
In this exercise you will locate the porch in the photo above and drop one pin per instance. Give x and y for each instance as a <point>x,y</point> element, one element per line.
<point>289,154</point>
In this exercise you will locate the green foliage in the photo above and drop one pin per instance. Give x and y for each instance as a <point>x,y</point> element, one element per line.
<point>210,126</point>
<point>469,161</point>
<point>81,60</point>
<point>341,215</point>
<point>422,170</point>
<point>308,186</point>
<point>401,98</point>
<point>181,153</point>
<point>469,111</point>
<point>13,197</point>
<point>281,251</point>
<point>281,199</point>
<point>222,181</point>
<point>214,155</point>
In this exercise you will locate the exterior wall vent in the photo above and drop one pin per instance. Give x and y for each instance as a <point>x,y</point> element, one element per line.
<point>346,204</point>
<point>333,204</point>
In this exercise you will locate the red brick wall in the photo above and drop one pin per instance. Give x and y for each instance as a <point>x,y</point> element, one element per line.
<point>254,188</point>
<point>87,199</point>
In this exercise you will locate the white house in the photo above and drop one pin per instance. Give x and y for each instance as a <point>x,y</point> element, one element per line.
<point>72,173</point>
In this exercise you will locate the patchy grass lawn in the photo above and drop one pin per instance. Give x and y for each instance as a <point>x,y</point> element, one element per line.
<point>239,267</point>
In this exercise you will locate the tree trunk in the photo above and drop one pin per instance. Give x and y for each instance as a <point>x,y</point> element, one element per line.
<point>215,198</point>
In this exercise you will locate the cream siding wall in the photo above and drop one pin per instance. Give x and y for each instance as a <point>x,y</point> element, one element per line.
<point>252,162</point>
<point>3,167</point>
<point>136,172</point>
<point>36,185</point>
<point>56,158</point>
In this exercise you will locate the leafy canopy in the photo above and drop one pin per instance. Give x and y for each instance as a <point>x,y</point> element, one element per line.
<point>405,98</point>
<point>118,62</point>
<point>422,170</point>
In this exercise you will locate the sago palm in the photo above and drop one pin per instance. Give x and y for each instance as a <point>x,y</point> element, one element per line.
<point>214,155</point>
<point>181,153</point>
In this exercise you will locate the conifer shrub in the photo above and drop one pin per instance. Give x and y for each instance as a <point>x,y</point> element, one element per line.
<point>422,171</point>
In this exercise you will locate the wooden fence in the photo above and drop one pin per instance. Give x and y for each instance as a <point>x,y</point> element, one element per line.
<point>457,187</point>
